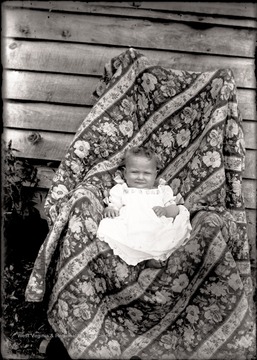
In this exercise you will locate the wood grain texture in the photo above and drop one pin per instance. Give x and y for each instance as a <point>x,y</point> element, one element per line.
<point>249,191</point>
<point>141,33</point>
<point>236,14</point>
<point>77,89</point>
<point>84,59</point>
<point>44,116</point>
<point>251,217</point>
<point>47,87</point>
<point>250,164</point>
<point>64,118</point>
<point>250,131</point>
<point>230,9</point>
<point>53,146</point>
<point>56,51</point>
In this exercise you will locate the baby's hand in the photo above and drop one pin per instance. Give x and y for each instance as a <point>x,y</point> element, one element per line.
<point>110,212</point>
<point>159,211</point>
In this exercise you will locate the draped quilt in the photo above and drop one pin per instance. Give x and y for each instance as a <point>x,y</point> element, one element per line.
<point>197,305</point>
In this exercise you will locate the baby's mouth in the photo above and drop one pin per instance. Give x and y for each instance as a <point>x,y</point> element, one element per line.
<point>140,184</point>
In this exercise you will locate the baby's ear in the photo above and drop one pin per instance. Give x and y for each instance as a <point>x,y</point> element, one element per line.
<point>121,169</point>
<point>159,164</point>
<point>119,176</point>
<point>121,166</point>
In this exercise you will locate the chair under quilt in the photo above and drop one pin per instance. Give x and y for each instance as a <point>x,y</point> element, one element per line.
<point>197,305</point>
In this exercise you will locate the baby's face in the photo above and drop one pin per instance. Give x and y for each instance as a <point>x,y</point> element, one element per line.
<point>140,172</point>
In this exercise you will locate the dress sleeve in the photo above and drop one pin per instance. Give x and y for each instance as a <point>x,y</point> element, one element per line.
<point>115,196</point>
<point>167,195</point>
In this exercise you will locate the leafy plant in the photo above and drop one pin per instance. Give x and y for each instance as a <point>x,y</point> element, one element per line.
<point>23,227</point>
<point>24,323</point>
<point>19,177</point>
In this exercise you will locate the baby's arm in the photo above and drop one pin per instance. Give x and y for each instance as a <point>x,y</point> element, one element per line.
<point>115,202</point>
<point>110,212</point>
<point>168,211</point>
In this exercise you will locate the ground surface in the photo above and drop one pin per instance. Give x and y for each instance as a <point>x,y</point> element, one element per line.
<point>24,324</point>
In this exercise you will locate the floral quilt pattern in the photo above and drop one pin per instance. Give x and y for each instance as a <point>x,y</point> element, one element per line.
<point>198,303</point>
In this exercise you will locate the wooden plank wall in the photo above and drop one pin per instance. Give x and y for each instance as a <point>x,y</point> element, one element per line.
<point>54,53</point>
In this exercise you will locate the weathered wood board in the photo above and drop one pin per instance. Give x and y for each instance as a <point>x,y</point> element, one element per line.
<point>53,55</point>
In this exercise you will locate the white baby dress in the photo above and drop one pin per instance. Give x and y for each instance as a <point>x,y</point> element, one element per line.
<point>138,234</point>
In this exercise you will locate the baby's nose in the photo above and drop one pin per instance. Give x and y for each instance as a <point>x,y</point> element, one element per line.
<point>140,175</point>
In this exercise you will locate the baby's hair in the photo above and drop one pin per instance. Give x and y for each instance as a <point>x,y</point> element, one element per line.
<point>141,151</point>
